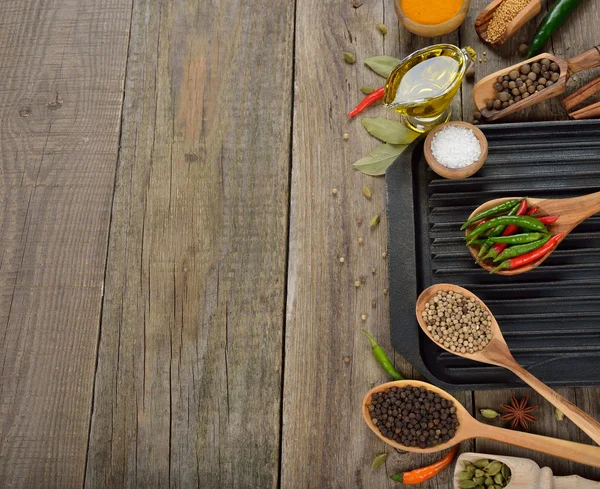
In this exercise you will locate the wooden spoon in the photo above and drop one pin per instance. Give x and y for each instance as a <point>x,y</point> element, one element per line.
<point>470,428</point>
<point>497,353</point>
<point>483,19</point>
<point>572,211</point>
<point>484,89</point>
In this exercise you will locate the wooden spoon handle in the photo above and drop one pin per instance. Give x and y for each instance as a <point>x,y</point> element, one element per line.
<point>588,424</point>
<point>584,61</point>
<point>576,452</point>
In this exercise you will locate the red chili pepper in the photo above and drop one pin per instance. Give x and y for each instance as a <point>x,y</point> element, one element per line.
<point>534,255</point>
<point>425,473</point>
<point>368,100</point>
<point>549,219</point>
<point>533,210</point>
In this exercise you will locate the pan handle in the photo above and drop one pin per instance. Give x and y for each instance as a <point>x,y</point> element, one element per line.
<point>586,60</point>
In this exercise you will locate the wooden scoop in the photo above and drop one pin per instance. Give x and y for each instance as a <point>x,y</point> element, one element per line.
<point>483,19</point>
<point>497,353</point>
<point>470,428</point>
<point>572,211</point>
<point>484,89</point>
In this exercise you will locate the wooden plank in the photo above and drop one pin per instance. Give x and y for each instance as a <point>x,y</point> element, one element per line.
<point>328,363</point>
<point>188,387</point>
<point>62,66</point>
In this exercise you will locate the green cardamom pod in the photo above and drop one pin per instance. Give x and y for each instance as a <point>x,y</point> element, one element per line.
<point>471,470</point>
<point>498,479</point>
<point>494,467</point>
<point>464,475</point>
<point>349,58</point>
<point>479,487</point>
<point>375,221</point>
<point>496,486</point>
<point>559,414</point>
<point>466,464</point>
<point>467,484</point>
<point>489,413</point>
<point>481,463</point>
<point>382,28</point>
<point>489,481</point>
<point>479,473</point>
<point>505,471</point>
<point>479,480</point>
<point>367,90</point>
<point>367,192</point>
<point>379,460</point>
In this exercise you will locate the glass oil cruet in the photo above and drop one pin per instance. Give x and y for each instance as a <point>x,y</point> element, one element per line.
<point>422,86</point>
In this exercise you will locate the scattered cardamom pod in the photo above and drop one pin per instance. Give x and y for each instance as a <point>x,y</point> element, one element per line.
<point>382,28</point>
<point>559,414</point>
<point>367,90</point>
<point>489,413</point>
<point>367,192</point>
<point>349,58</point>
<point>375,220</point>
<point>379,460</point>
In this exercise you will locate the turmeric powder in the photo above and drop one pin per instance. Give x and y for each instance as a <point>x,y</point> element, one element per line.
<point>431,12</point>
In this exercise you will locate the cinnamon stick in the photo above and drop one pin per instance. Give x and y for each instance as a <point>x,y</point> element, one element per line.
<point>582,94</point>
<point>592,110</point>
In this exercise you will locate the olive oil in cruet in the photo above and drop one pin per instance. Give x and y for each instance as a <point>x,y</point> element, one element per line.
<point>424,84</point>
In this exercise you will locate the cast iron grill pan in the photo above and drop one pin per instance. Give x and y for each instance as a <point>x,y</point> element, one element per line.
<point>549,316</point>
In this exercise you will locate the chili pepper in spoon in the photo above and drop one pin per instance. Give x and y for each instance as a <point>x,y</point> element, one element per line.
<point>517,210</point>
<point>497,248</point>
<point>525,222</point>
<point>368,100</point>
<point>534,255</point>
<point>493,211</point>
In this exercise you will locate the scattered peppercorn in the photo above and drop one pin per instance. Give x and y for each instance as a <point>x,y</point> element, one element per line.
<point>373,304</point>
<point>458,323</point>
<point>347,359</point>
<point>413,416</point>
<point>363,317</point>
<point>334,191</point>
<point>357,283</point>
<point>361,240</point>
<point>523,48</point>
<point>342,259</point>
<point>346,136</point>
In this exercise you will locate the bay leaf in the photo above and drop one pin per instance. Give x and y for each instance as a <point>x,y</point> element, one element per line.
<point>389,131</point>
<point>382,65</point>
<point>378,161</point>
<point>379,460</point>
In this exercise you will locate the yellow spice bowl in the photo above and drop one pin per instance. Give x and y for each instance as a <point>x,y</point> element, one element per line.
<point>435,30</point>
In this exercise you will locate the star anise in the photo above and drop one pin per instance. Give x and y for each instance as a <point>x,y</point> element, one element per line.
<point>519,412</point>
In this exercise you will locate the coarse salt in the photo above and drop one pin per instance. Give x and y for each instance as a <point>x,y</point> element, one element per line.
<point>455,147</point>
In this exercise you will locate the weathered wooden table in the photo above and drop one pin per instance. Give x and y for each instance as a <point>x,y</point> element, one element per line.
<point>174,312</point>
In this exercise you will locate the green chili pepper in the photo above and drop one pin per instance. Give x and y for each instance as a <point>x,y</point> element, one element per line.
<point>497,231</point>
<point>381,356</point>
<point>518,250</point>
<point>525,222</point>
<point>554,18</point>
<point>492,211</point>
<point>517,239</point>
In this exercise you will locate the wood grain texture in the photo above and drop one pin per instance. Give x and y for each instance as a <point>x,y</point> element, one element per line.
<point>62,66</point>
<point>328,362</point>
<point>189,375</point>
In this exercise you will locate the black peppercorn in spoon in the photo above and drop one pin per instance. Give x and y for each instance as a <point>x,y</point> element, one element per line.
<point>496,352</point>
<point>470,428</point>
